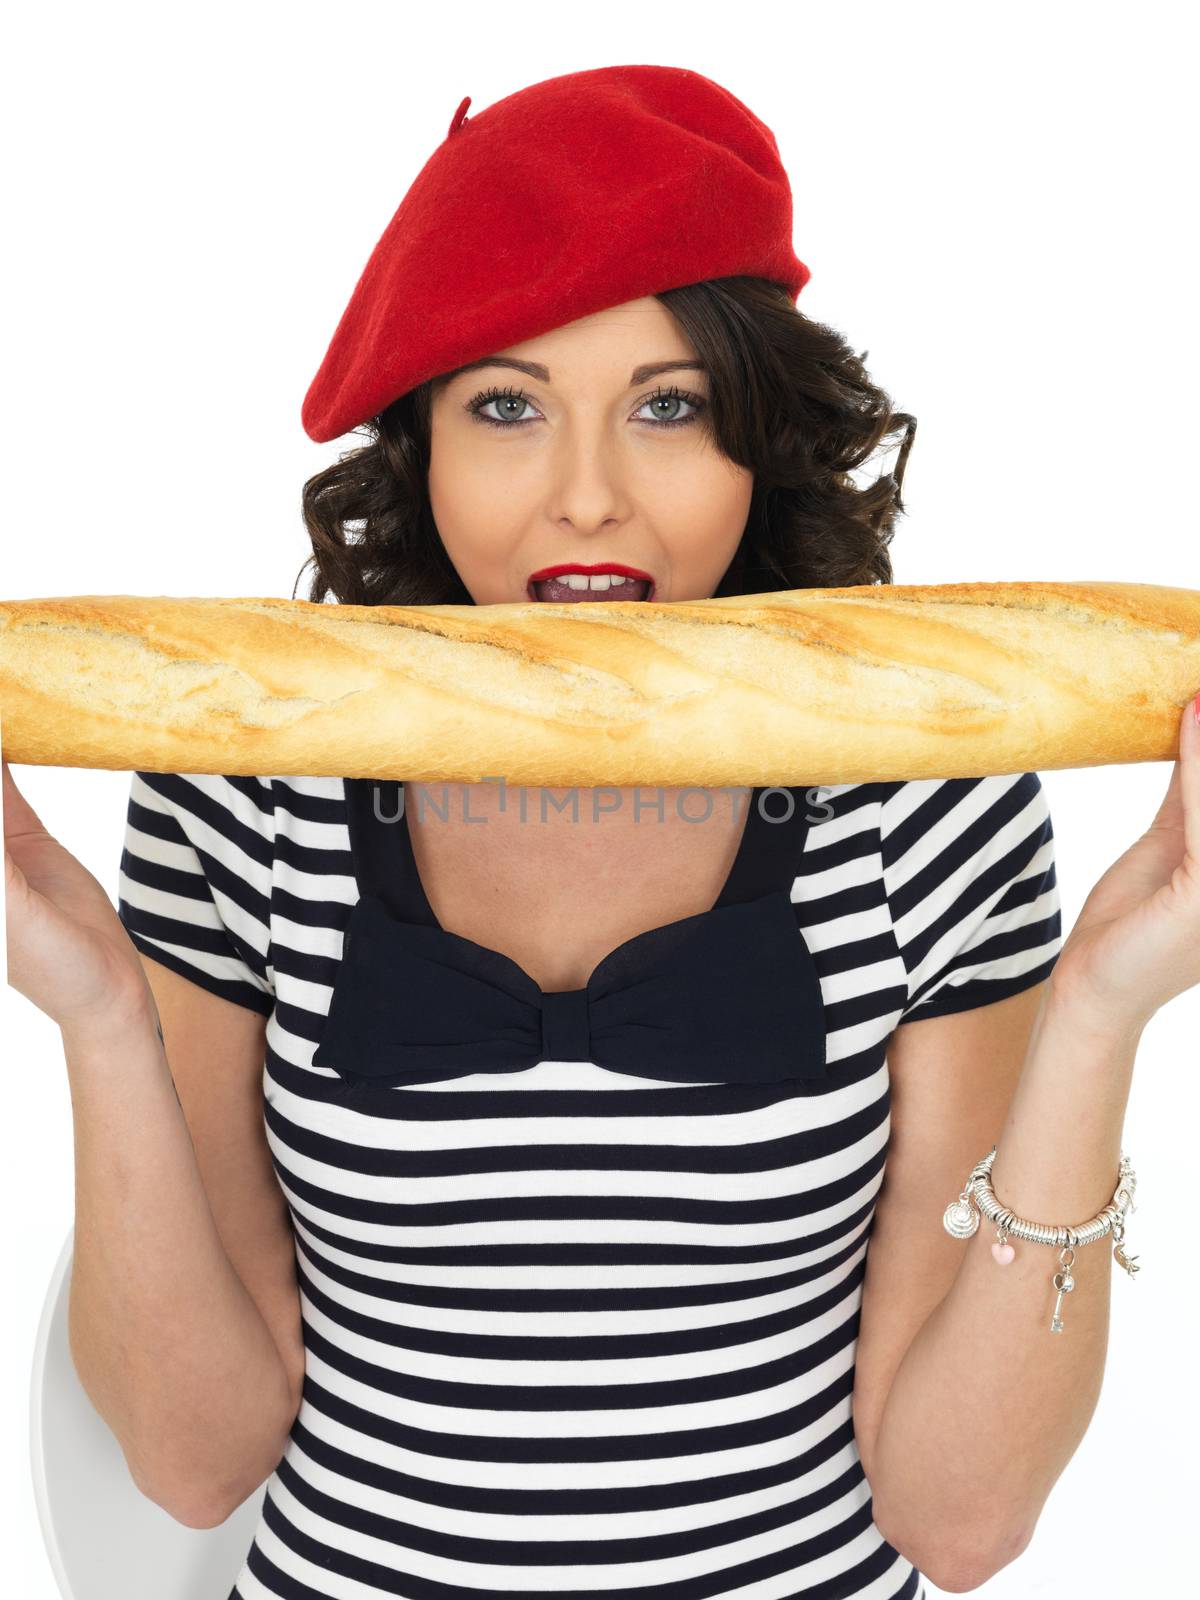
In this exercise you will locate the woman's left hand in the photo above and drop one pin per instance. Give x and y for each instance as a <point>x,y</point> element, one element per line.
<point>1136,943</point>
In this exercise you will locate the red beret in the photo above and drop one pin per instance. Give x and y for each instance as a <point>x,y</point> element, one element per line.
<point>572,195</point>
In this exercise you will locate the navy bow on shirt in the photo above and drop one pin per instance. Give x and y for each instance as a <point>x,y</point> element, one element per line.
<point>729,995</point>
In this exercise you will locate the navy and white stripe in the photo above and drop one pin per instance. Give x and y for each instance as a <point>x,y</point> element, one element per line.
<point>572,1333</point>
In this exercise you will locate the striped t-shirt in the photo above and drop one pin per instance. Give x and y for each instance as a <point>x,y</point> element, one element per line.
<point>572,1332</point>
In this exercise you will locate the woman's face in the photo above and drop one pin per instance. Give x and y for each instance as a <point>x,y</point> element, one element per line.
<point>562,451</point>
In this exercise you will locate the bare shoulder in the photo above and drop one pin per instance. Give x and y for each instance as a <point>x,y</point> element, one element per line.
<point>952,1080</point>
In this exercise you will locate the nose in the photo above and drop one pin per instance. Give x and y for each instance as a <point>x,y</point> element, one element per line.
<point>588,489</point>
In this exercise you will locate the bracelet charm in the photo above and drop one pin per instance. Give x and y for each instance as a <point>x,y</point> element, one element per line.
<point>1120,1256</point>
<point>1064,1283</point>
<point>960,1218</point>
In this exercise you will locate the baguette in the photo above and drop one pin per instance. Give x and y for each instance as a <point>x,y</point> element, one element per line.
<point>803,687</point>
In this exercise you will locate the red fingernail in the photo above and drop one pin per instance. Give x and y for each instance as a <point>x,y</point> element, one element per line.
<point>1196,707</point>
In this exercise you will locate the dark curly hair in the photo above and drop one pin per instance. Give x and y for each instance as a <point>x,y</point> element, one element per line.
<point>790,401</point>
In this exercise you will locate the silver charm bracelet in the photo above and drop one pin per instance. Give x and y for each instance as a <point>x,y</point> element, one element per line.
<point>961,1219</point>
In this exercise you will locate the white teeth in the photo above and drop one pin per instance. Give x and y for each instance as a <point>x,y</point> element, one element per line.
<point>599,580</point>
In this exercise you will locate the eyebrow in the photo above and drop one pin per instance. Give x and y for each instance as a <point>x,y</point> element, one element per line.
<point>535,369</point>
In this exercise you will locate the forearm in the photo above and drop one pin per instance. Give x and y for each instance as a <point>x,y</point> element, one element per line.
<point>988,1405</point>
<point>167,1341</point>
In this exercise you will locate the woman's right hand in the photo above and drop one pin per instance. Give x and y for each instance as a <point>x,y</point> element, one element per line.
<point>68,951</point>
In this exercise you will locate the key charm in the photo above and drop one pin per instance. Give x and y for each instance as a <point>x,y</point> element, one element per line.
<point>1064,1283</point>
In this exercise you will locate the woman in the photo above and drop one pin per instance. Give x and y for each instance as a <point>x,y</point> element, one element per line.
<point>513,1224</point>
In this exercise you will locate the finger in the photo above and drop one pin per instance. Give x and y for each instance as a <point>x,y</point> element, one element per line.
<point>1170,813</point>
<point>1189,778</point>
<point>15,881</point>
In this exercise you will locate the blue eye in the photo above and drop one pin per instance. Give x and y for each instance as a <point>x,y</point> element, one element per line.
<point>509,401</point>
<point>509,397</point>
<point>674,396</point>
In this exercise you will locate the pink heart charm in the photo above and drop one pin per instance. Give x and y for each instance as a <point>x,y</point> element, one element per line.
<point>1003,1253</point>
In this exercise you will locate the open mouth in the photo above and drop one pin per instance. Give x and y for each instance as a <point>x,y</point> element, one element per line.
<point>587,584</point>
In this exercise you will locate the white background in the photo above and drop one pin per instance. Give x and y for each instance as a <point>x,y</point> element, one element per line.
<point>995,202</point>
